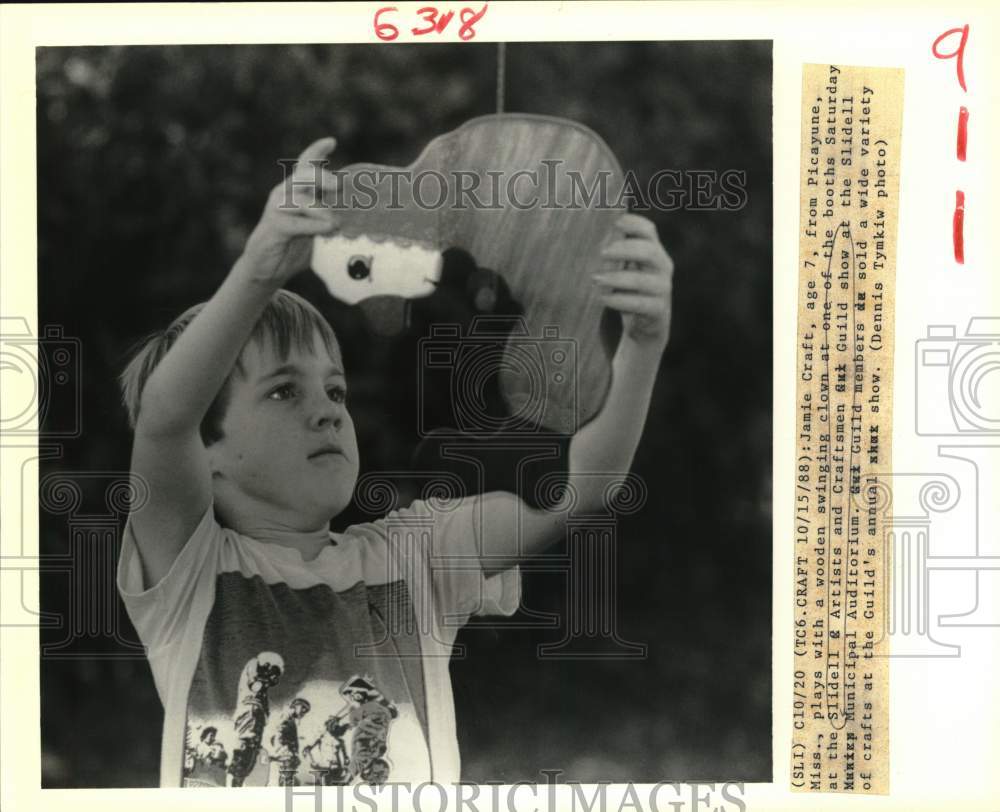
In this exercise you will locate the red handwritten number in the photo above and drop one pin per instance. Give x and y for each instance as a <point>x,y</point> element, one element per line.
<point>470,18</point>
<point>434,23</point>
<point>958,54</point>
<point>958,227</point>
<point>385,31</point>
<point>963,132</point>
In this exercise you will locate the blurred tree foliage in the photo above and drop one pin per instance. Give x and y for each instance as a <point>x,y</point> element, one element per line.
<point>153,165</point>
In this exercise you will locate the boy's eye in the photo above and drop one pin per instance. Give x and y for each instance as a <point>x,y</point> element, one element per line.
<point>337,394</point>
<point>283,392</point>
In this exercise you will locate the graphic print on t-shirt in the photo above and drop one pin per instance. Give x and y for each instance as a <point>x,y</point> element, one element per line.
<point>306,686</point>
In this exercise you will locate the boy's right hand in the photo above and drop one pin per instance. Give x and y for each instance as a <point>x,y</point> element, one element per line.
<point>281,244</point>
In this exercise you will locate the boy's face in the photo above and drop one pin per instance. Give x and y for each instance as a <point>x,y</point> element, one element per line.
<point>288,452</point>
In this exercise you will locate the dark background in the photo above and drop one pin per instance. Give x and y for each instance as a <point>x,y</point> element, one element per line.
<point>154,164</point>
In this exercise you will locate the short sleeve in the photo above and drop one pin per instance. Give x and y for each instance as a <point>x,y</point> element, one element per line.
<point>461,587</point>
<point>160,613</point>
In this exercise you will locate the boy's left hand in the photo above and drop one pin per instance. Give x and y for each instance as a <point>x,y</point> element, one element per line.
<point>641,292</point>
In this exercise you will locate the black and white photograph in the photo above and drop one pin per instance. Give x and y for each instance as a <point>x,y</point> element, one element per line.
<point>408,411</point>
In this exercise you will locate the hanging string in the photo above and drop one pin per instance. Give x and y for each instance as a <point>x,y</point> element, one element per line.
<point>501,74</point>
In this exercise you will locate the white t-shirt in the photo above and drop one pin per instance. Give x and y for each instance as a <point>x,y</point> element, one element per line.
<point>273,670</point>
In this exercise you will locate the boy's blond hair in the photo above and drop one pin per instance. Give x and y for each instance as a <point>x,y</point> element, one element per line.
<point>287,321</point>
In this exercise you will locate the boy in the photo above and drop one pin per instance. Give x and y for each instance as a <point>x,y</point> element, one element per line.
<point>242,595</point>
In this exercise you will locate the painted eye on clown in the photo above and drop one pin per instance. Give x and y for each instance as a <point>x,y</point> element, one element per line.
<point>359,266</point>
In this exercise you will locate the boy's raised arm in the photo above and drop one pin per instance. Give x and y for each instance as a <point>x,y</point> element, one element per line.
<point>167,450</point>
<point>607,444</point>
